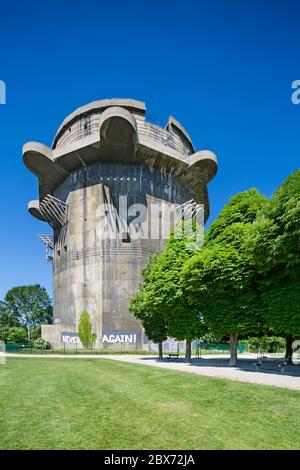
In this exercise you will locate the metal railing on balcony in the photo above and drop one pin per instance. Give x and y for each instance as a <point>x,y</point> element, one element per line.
<point>76,133</point>
<point>163,136</point>
<point>152,130</point>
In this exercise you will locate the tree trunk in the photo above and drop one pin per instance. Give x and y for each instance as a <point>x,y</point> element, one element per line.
<point>289,349</point>
<point>188,351</point>
<point>160,350</point>
<point>233,349</point>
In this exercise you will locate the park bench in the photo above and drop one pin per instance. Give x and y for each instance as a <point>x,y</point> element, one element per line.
<point>173,354</point>
<point>263,361</point>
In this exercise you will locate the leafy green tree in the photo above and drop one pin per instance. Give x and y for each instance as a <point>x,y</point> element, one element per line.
<point>13,334</point>
<point>85,330</point>
<point>220,279</point>
<point>241,208</point>
<point>153,322</point>
<point>269,344</point>
<point>161,304</point>
<point>8,316</point>
<point>27,306</point>
<point>36,333</point>
<point>4,331</point>
<point>184,320</point>
<point>275,247</point>
<point>16,334</point>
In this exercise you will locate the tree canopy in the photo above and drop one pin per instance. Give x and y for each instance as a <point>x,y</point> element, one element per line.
<point>154,322</point>
<point>220,279</point>
<point>160,303</point>
<point>275,249</point>
<point>27,306</point>
<point>243,282</point>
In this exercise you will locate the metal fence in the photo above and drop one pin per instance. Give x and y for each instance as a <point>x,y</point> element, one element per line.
<point>22,348</point>
<point>198,348</point>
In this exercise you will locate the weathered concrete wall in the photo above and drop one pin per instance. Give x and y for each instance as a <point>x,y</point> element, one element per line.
<point>52,334</point>
<point>101,275</point>
<point>101,151</point>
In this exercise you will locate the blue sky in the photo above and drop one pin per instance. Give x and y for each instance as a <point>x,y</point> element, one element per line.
<point>223,68</point>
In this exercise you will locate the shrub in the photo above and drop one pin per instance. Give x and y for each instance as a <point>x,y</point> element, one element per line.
<point>40,343</point>
<point>267,344</point>
<point>16,334</point>
<point>85,330</point>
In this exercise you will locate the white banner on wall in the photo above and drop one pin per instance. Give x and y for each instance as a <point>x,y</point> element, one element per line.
<point>110,337</point>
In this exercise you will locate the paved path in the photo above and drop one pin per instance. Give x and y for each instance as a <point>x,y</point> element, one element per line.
<point>215,366</point>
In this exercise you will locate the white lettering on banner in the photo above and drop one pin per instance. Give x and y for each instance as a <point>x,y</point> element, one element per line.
<point>70,339</point>
<point>122,338</point>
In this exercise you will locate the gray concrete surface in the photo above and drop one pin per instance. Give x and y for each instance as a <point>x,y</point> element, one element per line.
<point>102,152</point>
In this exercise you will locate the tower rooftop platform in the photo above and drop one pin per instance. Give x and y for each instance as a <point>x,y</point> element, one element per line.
<point>117,131</point>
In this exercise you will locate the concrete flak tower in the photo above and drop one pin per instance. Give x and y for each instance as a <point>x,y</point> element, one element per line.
<point>107,166</point>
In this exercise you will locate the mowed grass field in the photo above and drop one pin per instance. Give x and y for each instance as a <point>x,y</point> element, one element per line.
<point>105,404</point>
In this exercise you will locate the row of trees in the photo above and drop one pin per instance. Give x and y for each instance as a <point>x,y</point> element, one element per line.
<point>243,282</point>
<point>22,312</point>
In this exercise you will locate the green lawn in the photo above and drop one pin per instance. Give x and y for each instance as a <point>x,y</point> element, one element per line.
<point>104,404</point>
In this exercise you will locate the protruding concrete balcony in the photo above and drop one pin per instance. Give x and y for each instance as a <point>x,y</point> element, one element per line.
<point>116,131</point>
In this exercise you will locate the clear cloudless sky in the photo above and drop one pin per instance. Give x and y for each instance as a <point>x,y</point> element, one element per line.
<point>223,68</point>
